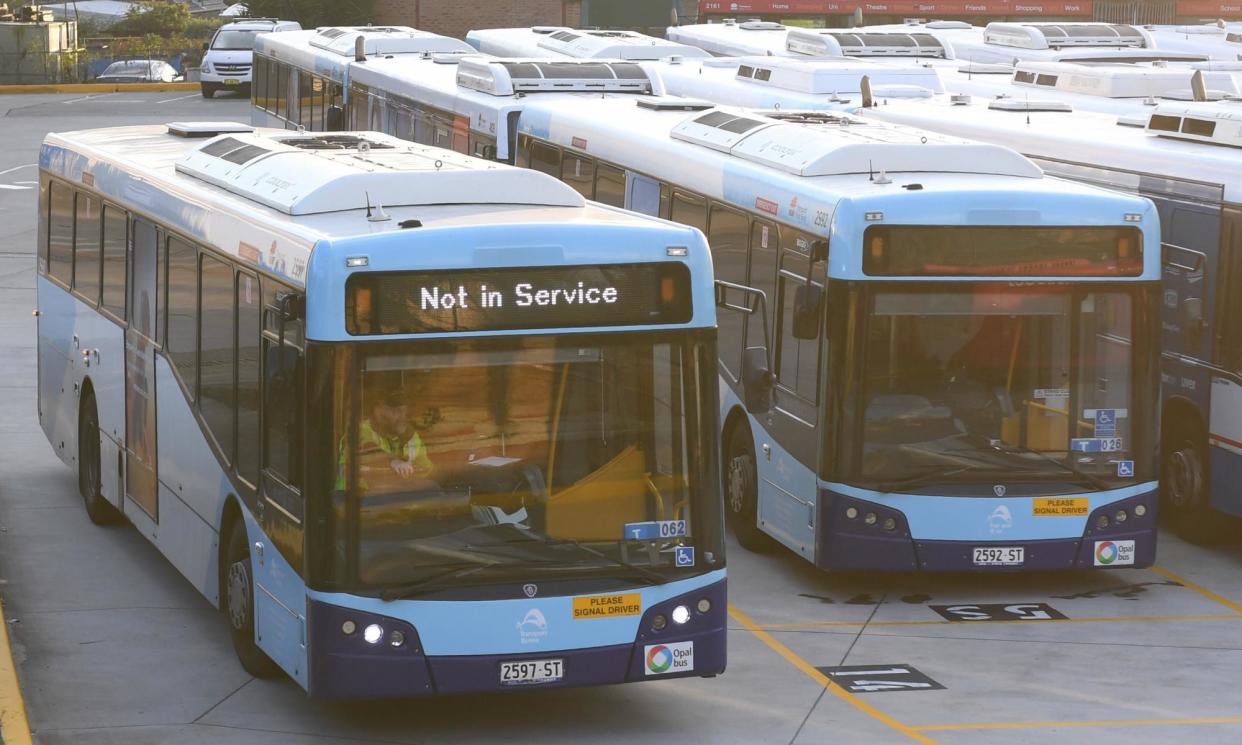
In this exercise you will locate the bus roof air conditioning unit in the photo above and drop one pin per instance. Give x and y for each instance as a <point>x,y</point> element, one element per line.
<point>507,77</point>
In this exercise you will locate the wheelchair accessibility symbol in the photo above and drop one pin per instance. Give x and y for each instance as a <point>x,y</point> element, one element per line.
<point>684,556</point>
<point>1125,469</point>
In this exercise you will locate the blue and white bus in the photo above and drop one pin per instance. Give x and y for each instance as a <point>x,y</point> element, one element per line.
<point>418,423</point>
<point>1185,157</point>
<point>303,81</point>
<point>957,367</point>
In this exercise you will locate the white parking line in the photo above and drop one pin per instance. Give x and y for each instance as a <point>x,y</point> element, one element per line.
<point>178,98</point>
<point>17,168</point>
<point>88,96</point>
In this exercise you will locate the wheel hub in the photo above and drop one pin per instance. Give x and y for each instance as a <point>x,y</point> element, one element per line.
<point>239,594</point>
<point>1185,477</point>
<point>739,474</point>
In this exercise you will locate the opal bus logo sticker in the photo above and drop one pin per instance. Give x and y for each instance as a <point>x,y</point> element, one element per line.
<point>664,659</point>
<point>533,627</point>
<point>1114,553</point>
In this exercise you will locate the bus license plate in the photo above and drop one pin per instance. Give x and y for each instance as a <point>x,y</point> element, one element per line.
<point>999,556</point>
<point>531,672</point>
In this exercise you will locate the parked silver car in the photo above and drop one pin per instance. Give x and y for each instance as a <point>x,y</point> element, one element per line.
<point>139,71</point>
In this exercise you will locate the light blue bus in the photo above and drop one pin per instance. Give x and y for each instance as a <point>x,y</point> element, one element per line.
<point>958,366</point>
<point>418,423</point>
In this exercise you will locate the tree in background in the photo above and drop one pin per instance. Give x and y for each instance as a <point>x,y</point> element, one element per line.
<point>314,13</point>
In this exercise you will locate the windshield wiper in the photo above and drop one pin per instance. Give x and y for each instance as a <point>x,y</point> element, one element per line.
<point>650,575</point>
<point>1090,478</point>
<point>923,478</point>
<point>430,582</point>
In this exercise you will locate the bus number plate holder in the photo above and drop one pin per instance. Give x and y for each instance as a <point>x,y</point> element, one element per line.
<point>531,672</point>
<point>998,556</point>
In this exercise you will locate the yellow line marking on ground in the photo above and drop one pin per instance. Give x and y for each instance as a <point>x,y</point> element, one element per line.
<point>809,670</point>
<point>1088,723</point>
<point>14,729</point>
<point>1235,607</point>
<point>936,622</point>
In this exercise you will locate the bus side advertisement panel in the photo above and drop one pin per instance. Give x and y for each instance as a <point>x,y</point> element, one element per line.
<point>1082,8</point>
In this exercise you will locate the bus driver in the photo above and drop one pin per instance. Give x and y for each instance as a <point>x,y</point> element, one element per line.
<point>391,454</point>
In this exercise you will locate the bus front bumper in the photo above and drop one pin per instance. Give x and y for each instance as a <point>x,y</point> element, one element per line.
<point>853,544</point>
<point>346,666</point>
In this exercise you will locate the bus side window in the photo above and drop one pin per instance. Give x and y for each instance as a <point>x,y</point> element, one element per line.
<point>610,185</point>
<point>762,277</point>
<point>216,399</point>
<point>282,390</point>
<point>1230,319</point>
<point>60,233</point>
<point>289,94</point>
<point>402,120</point>
<point>690,209</point>
<point>306,100</point>
<point>258,92</point>
<point>545,158</point>
<point>730,243</point>
<point>161,284</point>
<point>797,360</point>
<point>579,172</point>
<point>249,339</point>
<point>86,264</point>
<point>360,101</point>
<point>522,157</point>
<point>182,345</point>
<point>115,223</point>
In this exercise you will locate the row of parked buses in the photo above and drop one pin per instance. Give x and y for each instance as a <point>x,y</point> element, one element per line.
<point>423,422</point>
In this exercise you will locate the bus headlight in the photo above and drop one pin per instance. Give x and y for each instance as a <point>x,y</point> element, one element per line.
<point>890,523</point>
<point>1121,516</point>
<point>373,633</point>
<point>705,605</point>
<point>869,518</point>
<point>396,639</point>
<point>851,512</point>
<point>1140,510</point>
<point>659,622</point>
<point>681,614</point>
<point>1101,521</point>
<point>348,628</point>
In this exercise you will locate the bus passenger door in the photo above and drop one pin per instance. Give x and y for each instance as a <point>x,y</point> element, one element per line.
<point>789,458</point>
<point>280,510</point>
<point>140,338</point>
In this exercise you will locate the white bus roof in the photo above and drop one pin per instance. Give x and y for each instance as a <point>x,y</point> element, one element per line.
<point>244,191</point>
<point>1122,145</point>
<point>330,50</point>
<point>1219,41</point>
<point>784,82</point>
<point>557,41</point>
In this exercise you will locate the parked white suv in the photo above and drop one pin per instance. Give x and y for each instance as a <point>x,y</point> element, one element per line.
<point>228,58</point>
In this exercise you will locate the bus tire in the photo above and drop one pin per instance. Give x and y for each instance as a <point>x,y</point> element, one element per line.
<point>1184,488</point>
<point>238,603</point>
<point>90,471</point>
<point>741,491</point>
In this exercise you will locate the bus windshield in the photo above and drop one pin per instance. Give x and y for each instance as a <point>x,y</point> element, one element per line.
<point>990,381</point>
<point>534,453</point>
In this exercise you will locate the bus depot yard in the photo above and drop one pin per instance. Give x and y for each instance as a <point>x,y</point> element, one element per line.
<point>112,644</point>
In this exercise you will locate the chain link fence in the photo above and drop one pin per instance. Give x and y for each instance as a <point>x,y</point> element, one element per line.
<point>84,65</point>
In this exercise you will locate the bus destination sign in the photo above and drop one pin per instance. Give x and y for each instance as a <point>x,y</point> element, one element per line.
<point>517,298</point>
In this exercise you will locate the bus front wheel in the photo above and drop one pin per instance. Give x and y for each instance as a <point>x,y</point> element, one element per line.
<point>742,493</point>
<point>90,472</point>
<point>238,595</point>
<point>1185,488</point>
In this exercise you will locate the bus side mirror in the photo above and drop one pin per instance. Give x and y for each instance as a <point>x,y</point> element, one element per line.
<point>335,119</point>
<point>756,380</point>
<point>807,299</point>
